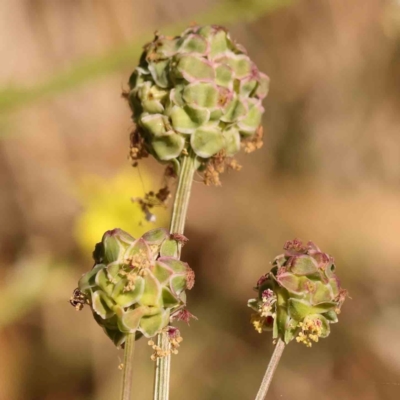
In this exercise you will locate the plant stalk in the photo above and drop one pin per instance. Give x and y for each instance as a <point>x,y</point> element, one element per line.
<point>182,195</point>
<point>128,367</point>
<point>178,219</point>
<point>269,373</point>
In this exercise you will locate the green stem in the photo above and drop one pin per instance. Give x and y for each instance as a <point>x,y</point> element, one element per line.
<point>269,373</point>
<point>163,366</point>
<point>182,195</point>
<point>128,367</point>
<point>178,219</point>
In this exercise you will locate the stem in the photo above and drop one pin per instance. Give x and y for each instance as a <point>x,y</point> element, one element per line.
<point>269,373</point>
<point>162,369</point>
<point>178,219</point>
<point>182,195</point>
<point>128,367</point>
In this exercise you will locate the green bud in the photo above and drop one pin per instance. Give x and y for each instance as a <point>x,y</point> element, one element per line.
<point>136,286</point>
<point>199,91</point>
<point>300,297</point>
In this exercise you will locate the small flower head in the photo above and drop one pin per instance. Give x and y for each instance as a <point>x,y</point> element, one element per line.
<point>197,92</point>
<point>135,286</point>
<point>300,297</point>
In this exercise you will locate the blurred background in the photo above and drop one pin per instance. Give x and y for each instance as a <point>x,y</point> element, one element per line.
<point>329,172</point>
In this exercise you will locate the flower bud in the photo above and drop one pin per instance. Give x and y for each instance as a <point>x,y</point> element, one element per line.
<point>300,297</point>
<point>199,91</point>
<point>134,286</point>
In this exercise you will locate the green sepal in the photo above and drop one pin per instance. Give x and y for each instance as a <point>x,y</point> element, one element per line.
<point>128,321</point>
<point>240,64</point>
<point>115,242</point>
<point>117,337</point>
<point>152,292</point>
<point>156,236</point>
<point>224,76</point>
<point>174,264</point>
<point>112,247</point>
<point>113,270</point>
<point>88,280</point>
<point>169,300</point>
<point>178,284</point>
<point>193,44</point>
<point>109,323</point>
<point>331,316</point>
<point>304,265</point>
<point>208,141</point>
<point>334,286</point>
<point>148,98</point>
<point>138,248</point>
<point>169,146</point>
<point>252,120</point>
<point>232,140</point>
<point>151,325</point>
<point>290,330</point>
<point>201,94</point>
<point>322,293</point>
<point>169,248</point>
<point>102,304</point>
<point>299,309</point>
<point>194,69</point>
<point>103,282</point>
<point>293,283</point>
<point>167,47</point>
<point>156,124</point>
<point>162,272</point>
<point>247,86</point>
<point>330,271</point>
<point>235,109</point>
<point>159,72</point>
<point>218,43</point>
<point>187,119</point>
<point>263,86</point>
<point>127,298</point>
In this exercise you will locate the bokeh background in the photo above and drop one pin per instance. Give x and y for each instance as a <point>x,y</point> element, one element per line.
<point>329,172</point>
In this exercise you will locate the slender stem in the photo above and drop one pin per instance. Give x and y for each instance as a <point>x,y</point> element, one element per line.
<point>269,373</point>
<point>178,219</point>
<point>162,371</point>
<point>182,195</point>
<point>128,367</point>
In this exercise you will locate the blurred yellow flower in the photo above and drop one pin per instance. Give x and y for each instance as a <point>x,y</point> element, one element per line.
<point>107,205</point>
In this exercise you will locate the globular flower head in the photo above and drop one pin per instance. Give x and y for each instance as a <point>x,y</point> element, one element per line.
<point>300,297</point>
<point>135,286</point>
<point>197,92</point>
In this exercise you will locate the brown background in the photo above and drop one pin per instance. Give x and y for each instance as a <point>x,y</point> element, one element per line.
<point>329,171</point>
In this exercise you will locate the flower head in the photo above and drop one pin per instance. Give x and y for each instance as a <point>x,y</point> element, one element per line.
<point>300,297</point>
<point>199,92</point>
<point>135,286</point>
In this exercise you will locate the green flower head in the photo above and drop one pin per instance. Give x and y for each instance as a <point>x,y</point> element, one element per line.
<point>300,297</point>
<point>197,92</point>
<point>135,286</point>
